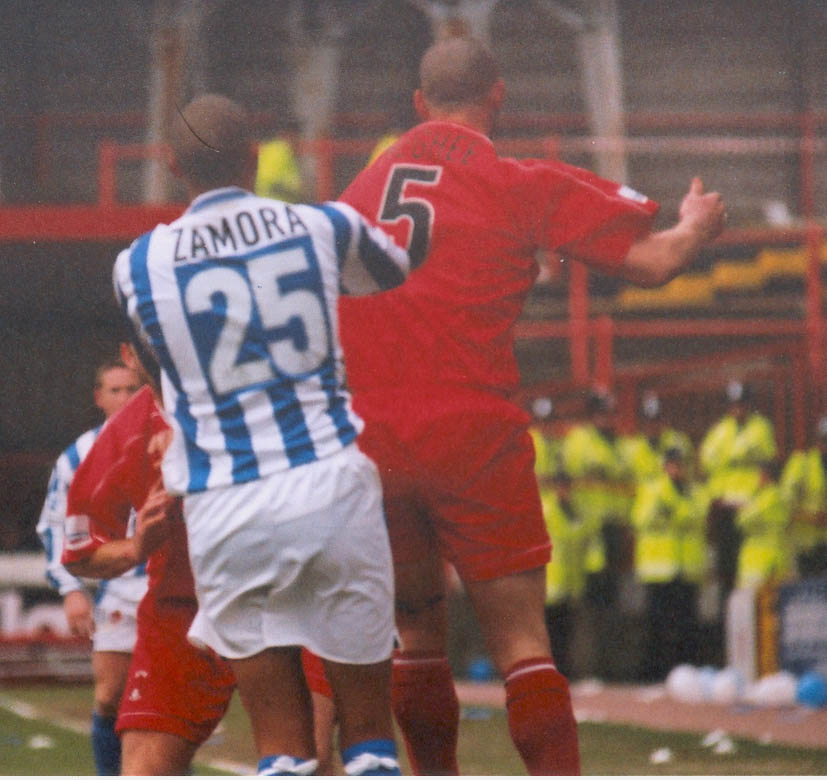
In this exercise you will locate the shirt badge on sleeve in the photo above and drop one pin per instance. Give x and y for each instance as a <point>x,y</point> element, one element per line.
<point>77,531</point>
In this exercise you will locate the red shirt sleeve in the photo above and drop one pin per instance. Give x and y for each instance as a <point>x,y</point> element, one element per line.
<point>111,480</point>
<point>583,216</point>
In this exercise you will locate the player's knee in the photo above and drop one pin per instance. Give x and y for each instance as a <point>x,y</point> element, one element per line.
<point>150,753</point>
<point>107,702</point>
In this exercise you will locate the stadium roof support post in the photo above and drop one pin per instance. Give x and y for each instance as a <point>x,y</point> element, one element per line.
<point>318,47</point>
<point>599,45</point>
<point>598,40</point>
<point>475,15</point>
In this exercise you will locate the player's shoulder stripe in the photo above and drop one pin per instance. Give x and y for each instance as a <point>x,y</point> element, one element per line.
<point>72,455</point>
<point>342,228</point>
<point>378,263</point>
<point>77,450</point>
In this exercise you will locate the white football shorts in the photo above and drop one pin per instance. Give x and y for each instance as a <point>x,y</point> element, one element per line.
<point>299,558</point>
<point>116,612</point>
<point>115,630</point>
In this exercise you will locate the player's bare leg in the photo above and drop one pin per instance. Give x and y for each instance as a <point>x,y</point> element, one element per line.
<point>110,670</point>
<point>540,715</point>
<point>274,693</point>
<point>510,612</point>
<point>156,753</point>
<point>424,698</point>
<point>421,606</point>
<point>362,696</point>
<point>324,721</point>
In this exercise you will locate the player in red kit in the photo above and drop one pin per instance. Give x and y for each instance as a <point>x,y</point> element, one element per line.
<point>176,693</point>
<point>431,366</point>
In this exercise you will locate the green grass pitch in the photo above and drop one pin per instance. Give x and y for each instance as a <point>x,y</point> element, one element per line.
<point>43,737</point>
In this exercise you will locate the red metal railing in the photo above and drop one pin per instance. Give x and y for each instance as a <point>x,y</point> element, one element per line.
<point>591,340</point>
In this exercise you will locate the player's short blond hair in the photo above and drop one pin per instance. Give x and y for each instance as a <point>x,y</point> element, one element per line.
<point>457,71</point>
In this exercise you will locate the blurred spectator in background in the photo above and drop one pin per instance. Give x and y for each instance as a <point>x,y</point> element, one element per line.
<point>804,487</point>
<point>565,573</point>
<point>669,519</point>
<point>765,552</point>
<point>278,174</point>
<point>601,496</point>
<point>112,623</point>
<point>643,452</point>
<point>384,142</point>
<point>547,446</point>
<point>731,457</point>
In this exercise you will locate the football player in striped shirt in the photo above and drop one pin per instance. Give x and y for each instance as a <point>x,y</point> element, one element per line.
<point>454,452</point>
<point>111,622</point>
<point>237,301</point>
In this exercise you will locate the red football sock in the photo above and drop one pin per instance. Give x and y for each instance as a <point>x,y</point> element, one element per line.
<point>541,718</point>
<point>426,708</point>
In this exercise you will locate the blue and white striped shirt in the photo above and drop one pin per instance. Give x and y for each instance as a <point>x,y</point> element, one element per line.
<point>51,528</point>
<point>237,300</point>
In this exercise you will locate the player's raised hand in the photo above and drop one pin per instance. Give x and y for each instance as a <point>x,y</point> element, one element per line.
<point>703,212</point>
<point>158,446</point>
<point>152,525</point>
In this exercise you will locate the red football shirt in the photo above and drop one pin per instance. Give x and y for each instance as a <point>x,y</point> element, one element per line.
<point>115,476</point>
<point>475,222</point>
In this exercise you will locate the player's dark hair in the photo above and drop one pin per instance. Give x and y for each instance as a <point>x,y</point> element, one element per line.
<point>107,365</point>
<point>457,71</point>
<point>211,140</point>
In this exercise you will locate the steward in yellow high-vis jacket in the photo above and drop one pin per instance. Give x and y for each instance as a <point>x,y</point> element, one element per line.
<point>804,487</point>
<point>766,551</point>
<point>565,573</point>
<point>643,451</point>
<point>601,494</point>
<point>601,489</point>
<point>669,519</point>
<point>546,446</point>
<point>735,447</point>
<point>278,174</point>
<point>731,457</point>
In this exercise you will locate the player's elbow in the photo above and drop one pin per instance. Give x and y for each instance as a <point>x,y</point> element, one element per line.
<point>79,568</point>
<point>647,274</point>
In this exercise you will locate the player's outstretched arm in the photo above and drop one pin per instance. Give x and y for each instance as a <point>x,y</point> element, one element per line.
<point>661,256</point>
<point>109,560</point>
<point>372,261</point>
<point>113,558</point>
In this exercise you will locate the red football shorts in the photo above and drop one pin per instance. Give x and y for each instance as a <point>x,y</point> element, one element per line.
<point>458,477</point>
<point>314,674</point>
<point>173,687</point>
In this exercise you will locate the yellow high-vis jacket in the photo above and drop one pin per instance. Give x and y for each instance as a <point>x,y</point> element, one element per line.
<point>546,452</point>
<point>602,486</point>
<point>278,174</point>
<point>766,551</point>
<point>804,487</point>
<point>645,460</point>
<point>670,532</point>
<point>730,456</point>
<point>566,573</point>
